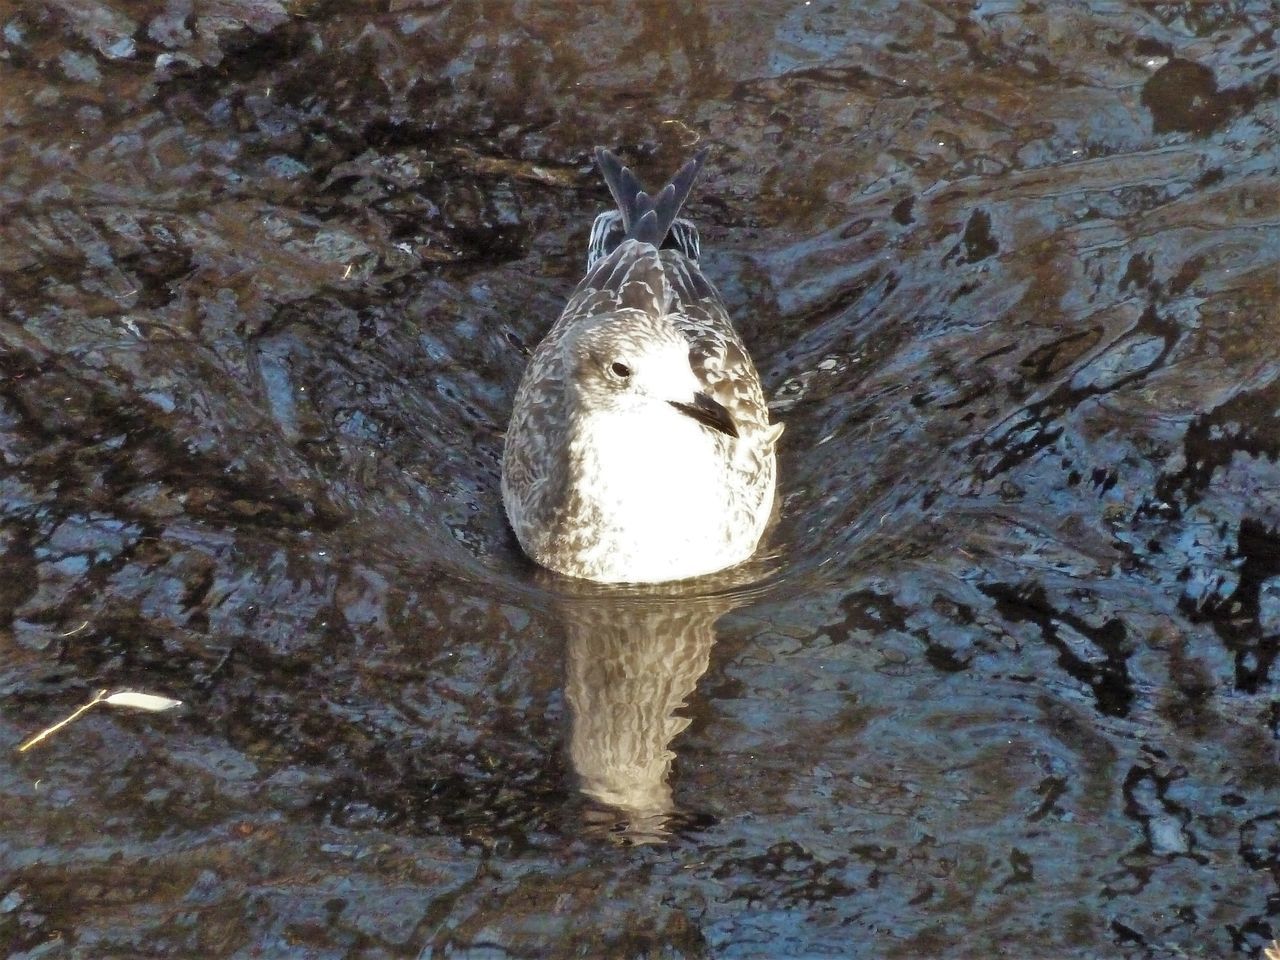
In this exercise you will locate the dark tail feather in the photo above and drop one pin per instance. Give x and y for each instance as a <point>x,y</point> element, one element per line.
<point>646,218</point>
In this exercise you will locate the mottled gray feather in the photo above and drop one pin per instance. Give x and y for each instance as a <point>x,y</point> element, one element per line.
<point>637,294</point>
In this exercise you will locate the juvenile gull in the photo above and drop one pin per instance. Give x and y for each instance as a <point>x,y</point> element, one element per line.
<point>640,448</point>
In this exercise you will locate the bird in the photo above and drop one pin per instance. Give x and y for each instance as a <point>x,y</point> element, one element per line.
<point>640,448</point>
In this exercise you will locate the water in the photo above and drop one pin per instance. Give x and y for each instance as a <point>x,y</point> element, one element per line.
<point>1002,682</point>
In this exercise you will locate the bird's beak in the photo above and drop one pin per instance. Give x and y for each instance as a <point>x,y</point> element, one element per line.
<point>705,410</point>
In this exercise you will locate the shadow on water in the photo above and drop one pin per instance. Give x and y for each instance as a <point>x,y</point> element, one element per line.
<point>1002,681</point>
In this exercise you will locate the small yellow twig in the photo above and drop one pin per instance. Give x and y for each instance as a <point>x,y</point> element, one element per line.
<point>72,633</point>
<point>98,698</point>
<point>686,129</point>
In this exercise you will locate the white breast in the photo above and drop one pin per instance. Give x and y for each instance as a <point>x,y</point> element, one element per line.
<point>661,483</point>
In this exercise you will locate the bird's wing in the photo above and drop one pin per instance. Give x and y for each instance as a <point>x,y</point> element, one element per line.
<point>718,355</point>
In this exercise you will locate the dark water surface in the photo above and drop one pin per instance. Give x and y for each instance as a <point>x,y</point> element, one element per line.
<point>1004,681</point>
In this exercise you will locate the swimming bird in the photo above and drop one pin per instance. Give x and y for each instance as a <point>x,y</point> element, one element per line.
<point>640,448</point>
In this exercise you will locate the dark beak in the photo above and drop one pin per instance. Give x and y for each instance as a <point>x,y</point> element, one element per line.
<point>705,410</point>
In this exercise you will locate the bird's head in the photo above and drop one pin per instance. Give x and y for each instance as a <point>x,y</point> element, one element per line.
<point>635,362</point>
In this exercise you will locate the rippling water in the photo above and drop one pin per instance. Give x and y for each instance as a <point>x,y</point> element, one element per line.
<point>1002,682</point>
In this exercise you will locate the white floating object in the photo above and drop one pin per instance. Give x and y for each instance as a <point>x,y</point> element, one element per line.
<point>143,701</point>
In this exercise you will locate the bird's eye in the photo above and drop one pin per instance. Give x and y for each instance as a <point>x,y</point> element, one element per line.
<point>620,370</point>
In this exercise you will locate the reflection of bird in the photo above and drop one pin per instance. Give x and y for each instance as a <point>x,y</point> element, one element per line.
<point>640,447</point>
<point>631,665</point>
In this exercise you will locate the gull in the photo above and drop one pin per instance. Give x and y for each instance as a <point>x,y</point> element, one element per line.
<point>640,448</point>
